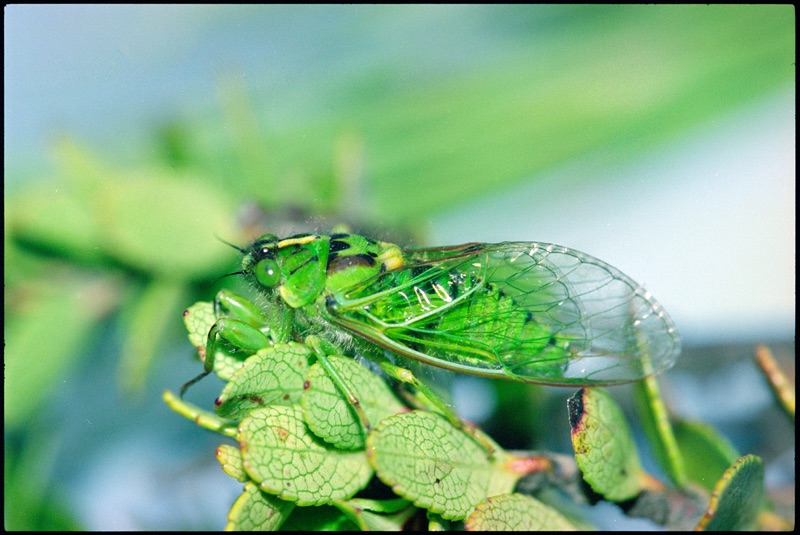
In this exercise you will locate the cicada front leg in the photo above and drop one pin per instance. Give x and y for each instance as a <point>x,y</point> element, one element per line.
<point>240,326</point>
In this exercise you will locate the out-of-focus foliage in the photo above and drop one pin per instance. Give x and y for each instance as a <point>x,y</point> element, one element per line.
<point>572,81</point>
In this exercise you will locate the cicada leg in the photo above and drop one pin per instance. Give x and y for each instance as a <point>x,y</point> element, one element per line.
<point>315,343</point>
<point>405,376</point>
<point>240,323</point>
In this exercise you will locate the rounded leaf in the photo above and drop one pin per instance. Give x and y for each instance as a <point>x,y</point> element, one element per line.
<point>516,512</point>
<point>198,319</point>
<point>273,375</point>
<point>285,458</point>
<point>231,460</point>
<point>737,497</point>
<point>330,415</point>
<point>257,511</point>
<point>435,465</point>
<point>604,448</point>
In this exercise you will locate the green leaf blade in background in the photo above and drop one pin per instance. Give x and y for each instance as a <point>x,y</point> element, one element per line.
<point>152,317</point>
<point>706,452</point>
<point>154,220</point>
<point>37,353</point>
<point>166,225</point>
<point>463,134</point>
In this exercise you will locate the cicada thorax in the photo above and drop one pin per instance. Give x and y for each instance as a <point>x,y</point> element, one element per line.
<point>353,259</point>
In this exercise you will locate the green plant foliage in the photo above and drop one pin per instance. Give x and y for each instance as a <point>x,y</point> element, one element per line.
<point>331,417</point>
<point>377,515</point>
<point>281,454</point>
<point>604,448</point>
<point>34,355</point>
<point>319,518</point>
<point>316,451</point>
<point>684,65</point>
<point>116,217</point>
<point>274,375</point>
<point>711,453</point>
<point>516,512</point>
<point>413,453</point>
<point>198,319</point>
<point>101,250</point>
<point>231,460</point>
<point>737,497</point>
<point>655,421</point>
<point>258,511</point>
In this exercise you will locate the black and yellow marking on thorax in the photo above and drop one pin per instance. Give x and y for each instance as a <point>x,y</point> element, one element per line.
<point>351,251</point>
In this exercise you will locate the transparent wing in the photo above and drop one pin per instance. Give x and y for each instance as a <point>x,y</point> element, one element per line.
<point>525,311</point>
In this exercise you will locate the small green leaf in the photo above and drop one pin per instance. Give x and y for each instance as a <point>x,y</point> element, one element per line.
<point>328,413</point>
<point>199,318</point>
<point>231,460</point>
<point>435,465</point>
<point>658,430</point>
<point>282,455</point>
<point>737,497</point>
<point>604,448</point>
<point>320,518</point>
<point>257,511</point>
<point>707,454</point>
<point>149,318</point>
<point>273,375</point>
<point>516,512</point>
<point>377,515</point>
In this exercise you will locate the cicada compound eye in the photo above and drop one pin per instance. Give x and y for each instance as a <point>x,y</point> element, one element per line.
<point>267,273</point>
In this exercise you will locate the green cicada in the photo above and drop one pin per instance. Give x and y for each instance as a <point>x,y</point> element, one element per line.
<point>523,311</point>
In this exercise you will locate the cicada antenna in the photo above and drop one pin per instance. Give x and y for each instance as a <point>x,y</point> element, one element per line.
<point>228,275</point>
<point>229,244</point>
<point>243,251</point>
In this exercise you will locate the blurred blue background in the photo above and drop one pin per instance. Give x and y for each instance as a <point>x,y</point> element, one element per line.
<point>660,139</point>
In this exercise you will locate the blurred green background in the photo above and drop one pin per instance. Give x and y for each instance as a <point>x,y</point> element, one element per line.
<point>660,139</point>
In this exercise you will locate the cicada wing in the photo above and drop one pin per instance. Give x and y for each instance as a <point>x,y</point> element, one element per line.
<point>611,329</point>
<point>524,311</point>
